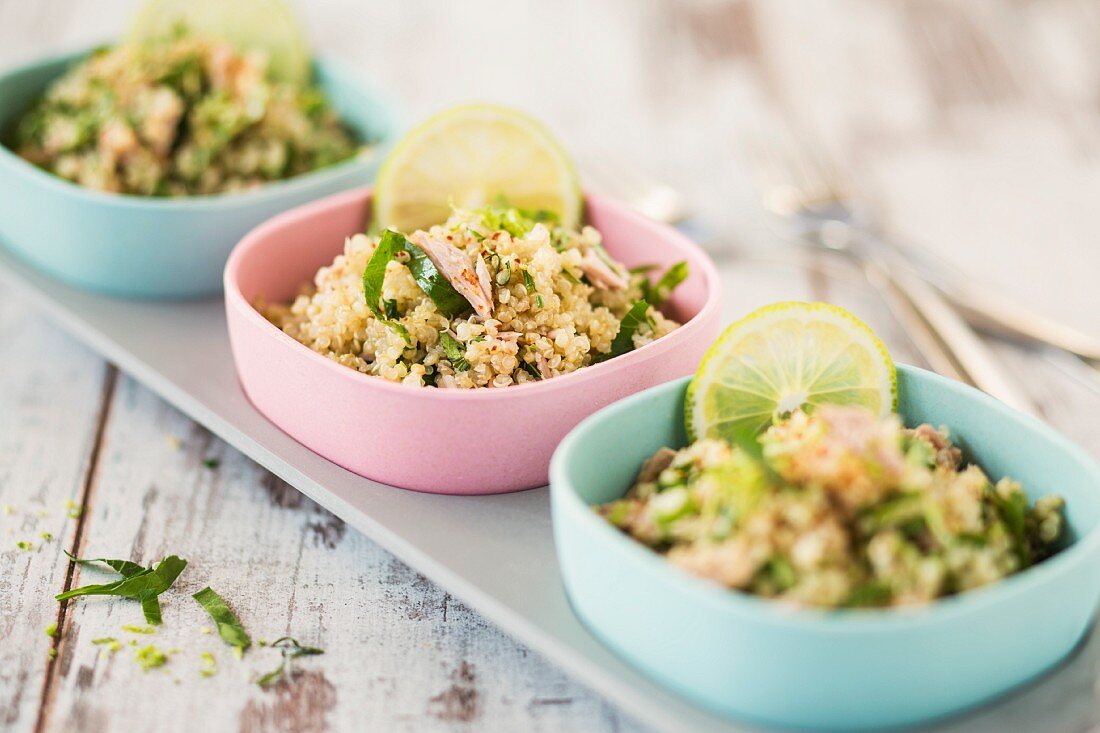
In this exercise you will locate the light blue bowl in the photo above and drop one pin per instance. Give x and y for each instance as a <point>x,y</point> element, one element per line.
<point>149,247</point>
<point>745,656</point>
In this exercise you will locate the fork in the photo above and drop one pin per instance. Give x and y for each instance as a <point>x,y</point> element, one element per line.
<point>799,186</point>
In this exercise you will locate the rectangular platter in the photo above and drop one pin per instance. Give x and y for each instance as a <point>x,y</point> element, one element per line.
<point>495,553</point>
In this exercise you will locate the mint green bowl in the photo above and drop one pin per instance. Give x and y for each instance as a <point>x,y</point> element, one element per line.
<point>743,656</point>
<point>151,247</point>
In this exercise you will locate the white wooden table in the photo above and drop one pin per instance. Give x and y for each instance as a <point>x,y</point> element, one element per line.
<point>970,131</point>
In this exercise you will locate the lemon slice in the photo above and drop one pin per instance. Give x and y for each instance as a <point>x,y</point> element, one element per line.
<point>270,26</point>
<point>471,156</point>
<point>782,357</point>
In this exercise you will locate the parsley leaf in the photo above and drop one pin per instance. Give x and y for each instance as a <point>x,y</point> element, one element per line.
<point>447,300</point>
<point>229,626</point>
<point>624,340</point>
<point>659,292</point>
<point>455,351</point>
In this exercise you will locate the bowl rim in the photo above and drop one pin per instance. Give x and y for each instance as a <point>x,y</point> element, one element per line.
<point>364,157</point>
<point>568,506</point>
<point>235,300</point>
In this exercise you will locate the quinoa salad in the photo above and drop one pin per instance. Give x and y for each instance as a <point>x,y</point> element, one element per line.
<point>837,508</point>
<point>491,298</point>
<point>179,117</point>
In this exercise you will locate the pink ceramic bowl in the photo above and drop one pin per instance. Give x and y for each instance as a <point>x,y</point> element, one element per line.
<point>484,441</point>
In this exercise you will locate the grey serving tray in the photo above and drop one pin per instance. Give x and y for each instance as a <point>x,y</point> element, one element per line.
<point>495,553</point>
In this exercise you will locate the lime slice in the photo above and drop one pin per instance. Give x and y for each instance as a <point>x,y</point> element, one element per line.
<point>471,156</point>
<point>782,357</point>
<point>270,26</point>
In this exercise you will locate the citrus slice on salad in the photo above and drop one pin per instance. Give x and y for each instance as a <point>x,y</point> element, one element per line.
<point>472,156</point>
<point>270,26</point>
<point>783,357</point>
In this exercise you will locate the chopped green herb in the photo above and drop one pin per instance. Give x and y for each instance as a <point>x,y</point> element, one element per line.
<point>229,626</point>
<point>869,595</point>
<point>517,222</point>
<point>47,536</point>
<point>531,369</point>
<point>528,281</point>
<point>212,463</point>
<point>624,340</point>
<point>570,276</point>
<point>389,306</point>
<point>24,545</point>
<point>138,629</point>
<point>642,269</point>
<point>447,300</point>
<point>209,666</point>
<point>657,293</point>
<point>149,657</point>
<point>504,272</point>
<point>290,649</point>
<point>51,630</point>
<point>455,351</point>
<point>144,585</point>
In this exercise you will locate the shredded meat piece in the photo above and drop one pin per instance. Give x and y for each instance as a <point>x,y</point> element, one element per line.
<point>456,266</point>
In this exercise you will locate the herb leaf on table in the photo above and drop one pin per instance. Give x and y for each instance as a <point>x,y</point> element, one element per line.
<point>229,626</point>
<point>291,649</point>
<point>143,585</point>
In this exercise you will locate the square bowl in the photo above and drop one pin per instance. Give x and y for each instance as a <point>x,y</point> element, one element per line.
<point>154,247</point>
<point>451,441</point>
<point>741,655</point>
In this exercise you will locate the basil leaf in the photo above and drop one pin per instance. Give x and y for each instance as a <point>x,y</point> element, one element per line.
<point>229,626</point>
<point>455,351</point>
<point>659,292</point>
<point>447,300</point>
<point>624,339</point>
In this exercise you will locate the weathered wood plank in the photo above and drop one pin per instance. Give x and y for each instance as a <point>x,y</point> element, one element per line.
<point>400,653</point>
<point>51,408</point>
